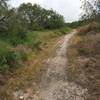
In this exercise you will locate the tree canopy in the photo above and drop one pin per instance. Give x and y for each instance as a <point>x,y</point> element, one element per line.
<point>91,9</point>
<point>27,17</point>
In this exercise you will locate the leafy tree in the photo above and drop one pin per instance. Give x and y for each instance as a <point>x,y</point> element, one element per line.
<point>51,19</point>
<point>25,14</point>
<point>3,13</point>
<point>3,8</point>
<point>89,10</point>
<point>35,17</point>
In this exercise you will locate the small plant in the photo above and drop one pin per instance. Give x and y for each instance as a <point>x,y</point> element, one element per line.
<point>9,57</point>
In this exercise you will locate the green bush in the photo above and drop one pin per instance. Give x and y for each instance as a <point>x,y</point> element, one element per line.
<point>14,41</point>
<point>22,35</point>
<point>34,40</point>
<point>13,58</point>
<point>9,58</point>
<point>9,61</point>
<point>35,45</point>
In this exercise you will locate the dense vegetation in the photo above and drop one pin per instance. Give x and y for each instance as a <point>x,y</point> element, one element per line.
<point>18,28</point>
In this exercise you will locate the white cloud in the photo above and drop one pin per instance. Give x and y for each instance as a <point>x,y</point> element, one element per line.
<point>70,9</point>
<point>33,1</point>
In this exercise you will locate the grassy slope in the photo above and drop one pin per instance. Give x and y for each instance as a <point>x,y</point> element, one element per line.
<point>23,76</point>
<point>84,59</point>
<point>14,50</point>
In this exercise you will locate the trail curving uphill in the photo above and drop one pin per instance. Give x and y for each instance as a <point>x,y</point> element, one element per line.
<point>54,84</point>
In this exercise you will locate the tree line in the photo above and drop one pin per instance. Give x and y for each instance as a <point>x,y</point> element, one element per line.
<point>18,28</point>
<point>27,17</point>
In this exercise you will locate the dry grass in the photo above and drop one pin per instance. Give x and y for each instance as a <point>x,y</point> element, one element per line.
<point>73,55</point>
<point>24,76</point>
<point>93,27</point>
<point>84,60</point>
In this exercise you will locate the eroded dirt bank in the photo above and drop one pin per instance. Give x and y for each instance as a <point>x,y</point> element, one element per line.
<point>53,83</point>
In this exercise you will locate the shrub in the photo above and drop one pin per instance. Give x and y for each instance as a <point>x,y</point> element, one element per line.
<point>35,45</point>
<point>34,41</point>
<point>90,45</point>
<point>22,35</point>
<point>9,61</point>
<point>9,58</point>
<point>24,52</point>
<point>89,29</point>
<point>17,40</point>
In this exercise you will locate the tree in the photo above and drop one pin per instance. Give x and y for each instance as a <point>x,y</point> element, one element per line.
<point>98,7</point>
<point>89,10</point>
<point>3,13</point>
<point>3,8</point>
<point>36,17</point>
<point>27,17</point>
<point>25,14</point>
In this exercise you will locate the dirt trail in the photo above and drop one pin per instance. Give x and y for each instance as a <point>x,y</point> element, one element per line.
<point>54,84</point>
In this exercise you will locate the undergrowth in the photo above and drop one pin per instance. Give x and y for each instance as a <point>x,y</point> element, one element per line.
<point>84,59</point>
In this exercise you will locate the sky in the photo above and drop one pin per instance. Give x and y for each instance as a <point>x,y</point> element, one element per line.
<point>70,9</point>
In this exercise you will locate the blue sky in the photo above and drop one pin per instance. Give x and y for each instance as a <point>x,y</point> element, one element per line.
<point>70,9</point>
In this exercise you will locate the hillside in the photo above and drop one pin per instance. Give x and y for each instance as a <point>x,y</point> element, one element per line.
<point>84,59</point>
